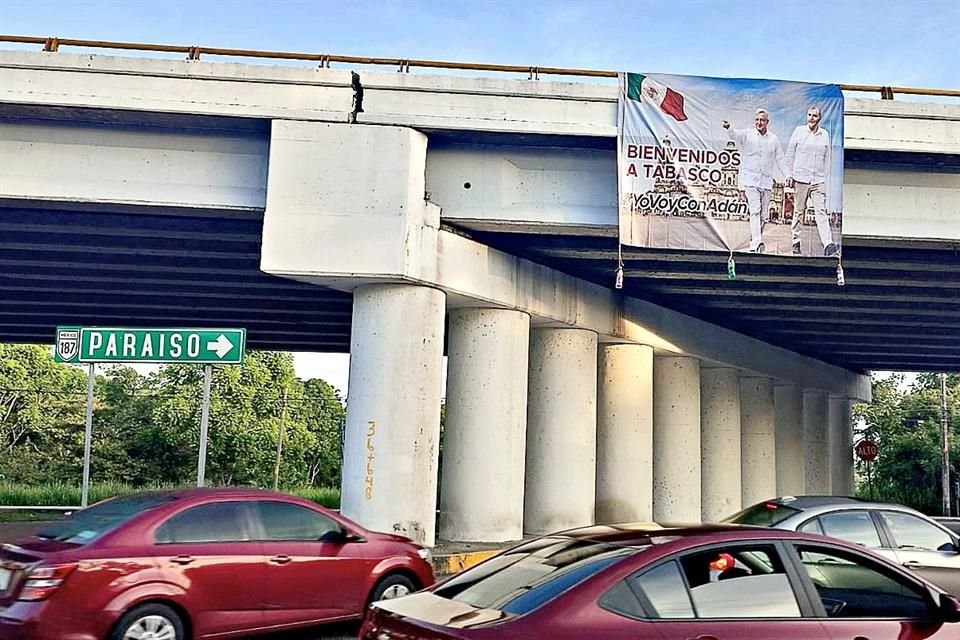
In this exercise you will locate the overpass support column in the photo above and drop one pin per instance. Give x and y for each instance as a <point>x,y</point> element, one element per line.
<point>816,447</point>
<point>788,417</point>
<point>720,440</point>
<point>758,457</point>
<point>393,409</point>
<point>841,447</point>
<point>481,492</point>
<point>676,439</point>
<point>561,468</point>
<point>625,433</point>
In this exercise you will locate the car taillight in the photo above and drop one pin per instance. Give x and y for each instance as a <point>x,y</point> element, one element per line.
<point>41,582</point>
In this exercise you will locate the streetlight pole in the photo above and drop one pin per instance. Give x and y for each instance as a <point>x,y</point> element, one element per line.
<point>944,446</point>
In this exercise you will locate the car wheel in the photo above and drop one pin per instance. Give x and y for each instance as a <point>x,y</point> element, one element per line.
<point>150,622</point>
<point>392,586</point>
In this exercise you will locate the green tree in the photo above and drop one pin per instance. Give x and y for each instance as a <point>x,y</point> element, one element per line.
<point>41,415</point>
<point>906,427</point>
<point>146,429</point>
<point>322,414</point>
<point>245,402</point>
<point>124,447</point>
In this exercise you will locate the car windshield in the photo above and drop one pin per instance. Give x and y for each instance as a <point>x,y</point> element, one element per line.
<point>765,514</point>
<point>519,581</point>
<point>86,525</point>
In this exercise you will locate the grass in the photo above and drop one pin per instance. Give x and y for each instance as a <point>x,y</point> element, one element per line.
<point>327,496</point>
<point>29,516</point>
<point>66,495</point>
<point>57,494</point>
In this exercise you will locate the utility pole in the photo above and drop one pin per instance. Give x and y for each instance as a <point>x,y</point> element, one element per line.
<point>944,446</point>
<point>283,432</point>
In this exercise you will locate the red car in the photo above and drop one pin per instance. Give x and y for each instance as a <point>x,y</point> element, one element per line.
<point>642,582</point>
<point>199,563</point>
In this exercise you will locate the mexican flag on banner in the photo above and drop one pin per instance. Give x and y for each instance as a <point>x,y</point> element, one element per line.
<point>641,87</point>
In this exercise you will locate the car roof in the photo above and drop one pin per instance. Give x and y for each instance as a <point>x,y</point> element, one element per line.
<point>200,493</point>
<point>253,492</point>
<point>812,502</point>
<point>636,534</point>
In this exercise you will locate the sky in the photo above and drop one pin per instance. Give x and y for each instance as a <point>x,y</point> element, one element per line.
<point>906,43</point>
<point>910,43</point>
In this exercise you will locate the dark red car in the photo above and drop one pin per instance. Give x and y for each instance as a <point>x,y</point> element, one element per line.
<point>198,563</point>
<point>639,582</point>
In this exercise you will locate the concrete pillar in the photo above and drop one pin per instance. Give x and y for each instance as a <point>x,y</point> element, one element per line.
<point>481,491</point>
<point>758,452</point>
<point>625,433</point>
<point>816,448</point>
<point>393,410</point>
<point>841,447</point>
<point>676,439</point>
<point>788,416</point>
<point>720,442</point>
<point>849,473</point>
<point>561,471</point>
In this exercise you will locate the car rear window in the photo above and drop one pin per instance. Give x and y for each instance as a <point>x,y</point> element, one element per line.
<point>532,575</point>
<point>86,525</point>
<point>765,514</point>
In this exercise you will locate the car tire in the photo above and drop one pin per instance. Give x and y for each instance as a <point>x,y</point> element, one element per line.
<point>392,586</point>
<point>153,617</point>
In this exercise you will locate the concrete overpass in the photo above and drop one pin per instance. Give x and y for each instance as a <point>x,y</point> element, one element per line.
<point>475,217</point>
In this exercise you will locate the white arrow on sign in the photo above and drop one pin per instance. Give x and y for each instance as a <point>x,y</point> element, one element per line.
<point>221,346</point>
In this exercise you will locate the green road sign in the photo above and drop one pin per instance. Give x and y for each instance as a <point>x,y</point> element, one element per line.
<point>111,344</point>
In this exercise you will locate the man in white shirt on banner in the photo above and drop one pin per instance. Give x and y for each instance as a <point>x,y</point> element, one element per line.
<point>761,160</point>
<point>808,164</point>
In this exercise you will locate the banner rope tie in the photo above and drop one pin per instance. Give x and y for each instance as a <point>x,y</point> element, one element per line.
<point>731,267</point>
<point>840,279</point>
<point>618,284</point>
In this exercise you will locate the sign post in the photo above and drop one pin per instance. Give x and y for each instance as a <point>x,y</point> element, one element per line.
<point>944,447</point>
<point>867,451</point>
<point>118,345</point>
<point>204,421</point>
<point>87,438</point>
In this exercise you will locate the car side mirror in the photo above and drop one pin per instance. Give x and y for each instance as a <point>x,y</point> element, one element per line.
<point>950,547</point>
<point>949,608</point>
<point>349,536</point>
<point>335,536</point>
<point>341,536</point>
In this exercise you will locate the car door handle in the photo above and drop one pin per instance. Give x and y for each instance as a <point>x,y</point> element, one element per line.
<point>704,637</point>
<point>182,559</point>
<point>281,559</point>
<point>912,563</point>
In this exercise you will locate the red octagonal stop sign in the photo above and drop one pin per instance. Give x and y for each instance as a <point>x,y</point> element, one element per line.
<point>867,450</point>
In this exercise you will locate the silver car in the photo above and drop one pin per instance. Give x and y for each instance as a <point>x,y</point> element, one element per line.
<point>897,532</point>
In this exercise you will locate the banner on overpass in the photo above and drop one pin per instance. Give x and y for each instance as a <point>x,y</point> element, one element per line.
<point>730,164</point>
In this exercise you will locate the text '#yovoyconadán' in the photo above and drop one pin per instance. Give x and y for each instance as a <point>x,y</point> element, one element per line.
<point>686,205</point>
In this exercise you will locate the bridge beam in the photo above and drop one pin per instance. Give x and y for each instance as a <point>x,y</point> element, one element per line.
<point>319,191</point>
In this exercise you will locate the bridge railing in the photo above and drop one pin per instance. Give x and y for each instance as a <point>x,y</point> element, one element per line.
<point>193,52</point>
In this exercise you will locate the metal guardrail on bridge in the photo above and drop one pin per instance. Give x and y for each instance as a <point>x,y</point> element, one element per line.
<point>193,52</point>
